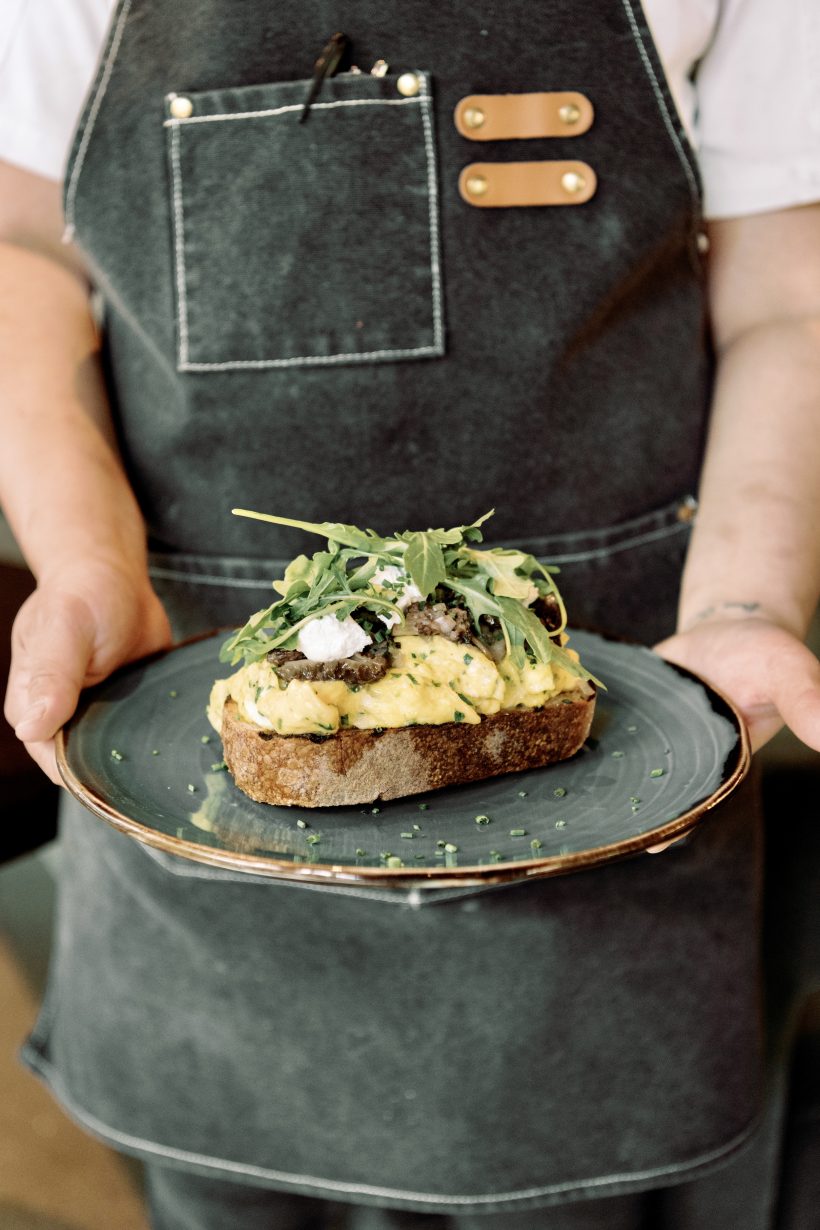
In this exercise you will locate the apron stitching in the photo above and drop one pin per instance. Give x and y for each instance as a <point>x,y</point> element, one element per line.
<point>432,196</point>
<point>206,578</point>
<point>52,1078</point>
<point>319,106</point>
<point>664,110</point>
<point>577,557</point>
<point>71,191</point>
<point>179,245</point>
<point>304,360</point>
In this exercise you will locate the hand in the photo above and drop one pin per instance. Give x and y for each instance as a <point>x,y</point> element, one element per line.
<point>764,669</point>
<point>81,622</point>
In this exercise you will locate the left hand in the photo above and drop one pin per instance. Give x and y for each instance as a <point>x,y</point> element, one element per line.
<point>764,669</point>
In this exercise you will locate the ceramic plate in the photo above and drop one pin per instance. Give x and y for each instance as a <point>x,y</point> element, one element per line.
<point>664,748</point>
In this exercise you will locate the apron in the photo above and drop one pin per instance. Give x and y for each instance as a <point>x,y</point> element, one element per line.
<point>311,318</point>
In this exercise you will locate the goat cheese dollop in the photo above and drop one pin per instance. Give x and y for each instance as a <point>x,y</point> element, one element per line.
<point>397,582</point>
<point>327,639</point>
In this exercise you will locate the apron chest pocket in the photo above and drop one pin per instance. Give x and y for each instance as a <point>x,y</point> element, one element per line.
<point>302,243</point>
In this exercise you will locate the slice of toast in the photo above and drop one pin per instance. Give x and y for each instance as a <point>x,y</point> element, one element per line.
<point>361,766</point>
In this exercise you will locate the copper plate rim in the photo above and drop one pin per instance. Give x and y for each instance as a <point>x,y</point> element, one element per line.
<point>415,877</point>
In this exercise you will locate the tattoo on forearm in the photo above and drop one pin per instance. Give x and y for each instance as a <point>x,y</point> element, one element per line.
<point>747,608</point>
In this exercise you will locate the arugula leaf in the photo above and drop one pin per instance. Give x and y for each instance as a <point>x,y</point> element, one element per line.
<point>505,569</point>
<point>424,560</point>
<point>527,623</point>
<point>347,535</point>
<point>477,598</point>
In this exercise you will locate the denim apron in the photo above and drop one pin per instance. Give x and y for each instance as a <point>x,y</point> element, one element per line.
<point>310,318</point>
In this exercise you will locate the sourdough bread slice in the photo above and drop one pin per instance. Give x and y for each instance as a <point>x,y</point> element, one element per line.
<point>361,766</point>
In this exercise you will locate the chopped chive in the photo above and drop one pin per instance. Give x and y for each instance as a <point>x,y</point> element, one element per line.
<point>155,752</point>
<point>560,824</point>
<point>423,806</point>
<point>482,819</point>
<point>361,853</point>
<point>518,832</point>
<point>535,843</point>
<point>218,765</point>
<point>301,824</point>
<point>634,800</point>
<point>313,839</point>
<point>417,828</point>
<point>205,739</point>
<point>522,794</point>
<point>458,716</point>
<point>559,792</point>
<point>617,755</point>
<point>172,694</point>
<point>374,811</point>
<point>468,657</point>
<point>632,729</point>
<point>408,836</point>
<point>450,848</point>
<point>656,773</point>
<point>191,788</point>
<point>115,755</point>
<point>394,861</point>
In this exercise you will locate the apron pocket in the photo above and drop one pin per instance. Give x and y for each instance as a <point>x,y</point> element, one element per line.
<point>300,243</point>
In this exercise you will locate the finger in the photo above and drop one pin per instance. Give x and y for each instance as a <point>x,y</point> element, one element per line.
<point>52,643</point>
<point>664,845</point>
<point>796,699</point>
<point>44,755</point>
<point>801,714</point>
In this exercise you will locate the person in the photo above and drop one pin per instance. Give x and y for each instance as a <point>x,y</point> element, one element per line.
<point>312,317</point>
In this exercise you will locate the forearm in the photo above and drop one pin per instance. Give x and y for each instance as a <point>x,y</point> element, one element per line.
<point>757,538</point>
<point>61,483</point>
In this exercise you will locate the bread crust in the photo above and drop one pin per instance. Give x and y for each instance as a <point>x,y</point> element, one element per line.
<point>362,766</point>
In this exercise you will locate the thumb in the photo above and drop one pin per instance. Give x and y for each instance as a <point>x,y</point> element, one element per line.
<point>52,644</point>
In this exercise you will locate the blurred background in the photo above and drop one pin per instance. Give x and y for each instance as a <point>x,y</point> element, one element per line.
<point>55,1177</point>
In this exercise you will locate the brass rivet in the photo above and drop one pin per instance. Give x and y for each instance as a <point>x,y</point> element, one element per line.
<point>572,182</point>
<point>409,84</point>
<point>687,509</point>
<point>181,107</point>
<point>477,185</point>
<point>474,117</point>
<point>569,113</point>
<point>380,69</point>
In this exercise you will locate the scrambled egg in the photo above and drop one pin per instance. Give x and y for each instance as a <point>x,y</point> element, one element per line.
<point>431,681</point>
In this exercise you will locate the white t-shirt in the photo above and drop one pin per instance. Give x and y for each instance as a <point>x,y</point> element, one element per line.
<point>745,75</point>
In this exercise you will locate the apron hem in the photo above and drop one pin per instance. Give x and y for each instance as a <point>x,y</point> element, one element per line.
<point>387,1197</point>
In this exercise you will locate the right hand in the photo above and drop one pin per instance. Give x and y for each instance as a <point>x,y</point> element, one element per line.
<point>82,622</point>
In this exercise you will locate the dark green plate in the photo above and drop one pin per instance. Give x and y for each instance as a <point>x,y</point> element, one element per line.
<point>664,749</point>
